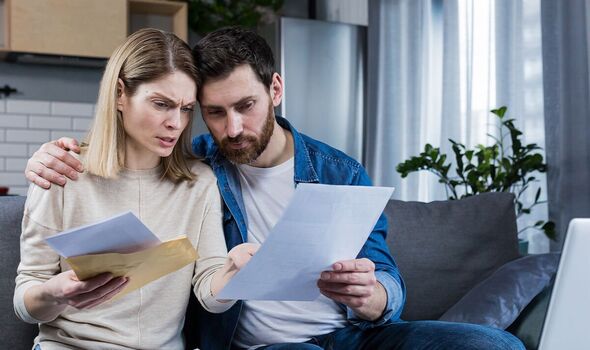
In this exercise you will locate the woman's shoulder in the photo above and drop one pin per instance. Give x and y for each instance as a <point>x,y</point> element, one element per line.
<point>202,170</point>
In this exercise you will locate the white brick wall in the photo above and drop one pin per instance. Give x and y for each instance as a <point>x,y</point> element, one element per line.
<point>13,121</point>
<point>26,124</point>
<point>15,164</point>
<point>72,109</point>
<point>82,123</point>
<point>28,107</point>
<point>27,135</point>
<point>45,122</point>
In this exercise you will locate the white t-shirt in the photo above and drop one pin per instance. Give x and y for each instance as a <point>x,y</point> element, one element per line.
<point>266,193</point>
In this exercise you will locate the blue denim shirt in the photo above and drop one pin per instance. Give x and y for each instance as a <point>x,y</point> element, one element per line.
<point>315,162</point>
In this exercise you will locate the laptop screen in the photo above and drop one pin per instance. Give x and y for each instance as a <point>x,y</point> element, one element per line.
<point>567,323</point>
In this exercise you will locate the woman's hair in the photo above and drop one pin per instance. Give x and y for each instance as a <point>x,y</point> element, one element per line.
<point>146,55</point>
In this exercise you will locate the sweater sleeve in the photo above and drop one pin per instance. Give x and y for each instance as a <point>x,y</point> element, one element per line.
<point>42,218</point>
<point>212,253</point>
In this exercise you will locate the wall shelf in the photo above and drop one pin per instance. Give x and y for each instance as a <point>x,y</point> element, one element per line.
<point>83,28</point>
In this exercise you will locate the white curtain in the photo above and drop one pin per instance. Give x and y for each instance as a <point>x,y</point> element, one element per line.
<point>435,70</point>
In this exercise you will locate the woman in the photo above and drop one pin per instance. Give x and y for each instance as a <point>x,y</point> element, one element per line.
<point>136,158</point>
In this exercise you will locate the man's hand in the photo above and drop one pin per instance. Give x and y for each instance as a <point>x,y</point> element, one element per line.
<point>52,161</point>
<point>46,301</point>
<point>353,283</point>
<point>237,258</point>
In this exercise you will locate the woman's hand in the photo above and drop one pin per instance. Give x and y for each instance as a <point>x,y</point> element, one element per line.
<point>46,301</point>
<point>237,258</point>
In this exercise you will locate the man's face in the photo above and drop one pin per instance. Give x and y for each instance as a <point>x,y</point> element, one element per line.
<point>238,110</point>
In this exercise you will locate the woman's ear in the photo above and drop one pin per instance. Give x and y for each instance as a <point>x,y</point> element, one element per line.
<point>276,89</point>
<point>121,97</point>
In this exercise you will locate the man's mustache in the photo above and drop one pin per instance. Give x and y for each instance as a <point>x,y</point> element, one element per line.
<point>238,139</point>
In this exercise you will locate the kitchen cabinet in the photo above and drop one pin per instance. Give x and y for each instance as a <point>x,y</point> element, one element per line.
<point>83,28</point>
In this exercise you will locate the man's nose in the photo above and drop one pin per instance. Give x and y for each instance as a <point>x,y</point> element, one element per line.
<point>234,125</point>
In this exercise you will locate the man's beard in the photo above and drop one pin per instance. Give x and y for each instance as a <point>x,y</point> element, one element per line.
<point>257,144</point>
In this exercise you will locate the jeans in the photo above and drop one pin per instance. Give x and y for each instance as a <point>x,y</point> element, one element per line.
<point>415,335</point>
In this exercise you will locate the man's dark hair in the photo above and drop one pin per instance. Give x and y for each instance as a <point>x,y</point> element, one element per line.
<point>221,51</point>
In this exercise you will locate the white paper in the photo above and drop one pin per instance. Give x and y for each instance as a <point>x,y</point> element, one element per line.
<point>322,224</point>
<point>123,233</point>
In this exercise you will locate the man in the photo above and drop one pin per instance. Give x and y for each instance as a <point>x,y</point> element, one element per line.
<point>258,160</point>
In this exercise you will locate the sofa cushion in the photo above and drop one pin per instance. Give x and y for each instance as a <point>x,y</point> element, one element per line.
<point>499,299</point>
<point>444,248</point>
<point>15,334</point>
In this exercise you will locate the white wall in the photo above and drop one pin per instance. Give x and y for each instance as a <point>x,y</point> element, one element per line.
<point>26,124</point>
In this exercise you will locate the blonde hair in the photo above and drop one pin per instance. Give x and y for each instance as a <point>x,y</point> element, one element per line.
<point>146,55</point>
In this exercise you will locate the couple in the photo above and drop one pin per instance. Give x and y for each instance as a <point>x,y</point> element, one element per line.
<point>132,161</point>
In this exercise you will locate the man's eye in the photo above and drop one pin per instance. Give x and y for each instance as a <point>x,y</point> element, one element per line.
<point>247,106</point>
<point>188,109</point>
<point>161,104</point>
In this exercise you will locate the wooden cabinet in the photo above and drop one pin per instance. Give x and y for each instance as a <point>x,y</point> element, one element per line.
<point>84,28</point>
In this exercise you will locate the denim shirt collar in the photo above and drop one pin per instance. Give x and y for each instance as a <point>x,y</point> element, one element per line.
<point>304,171</point>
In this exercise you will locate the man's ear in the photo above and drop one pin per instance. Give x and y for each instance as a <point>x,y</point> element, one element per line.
<point>276,89</point>
<point>121,97</point>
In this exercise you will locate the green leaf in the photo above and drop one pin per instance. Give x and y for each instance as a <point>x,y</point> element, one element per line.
<point>500,111</point>
<point>549,229</point>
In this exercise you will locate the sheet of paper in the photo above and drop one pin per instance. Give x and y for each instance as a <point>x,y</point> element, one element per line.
<point>141,267</point>
<point>322,224</point>
<point>122,233</point>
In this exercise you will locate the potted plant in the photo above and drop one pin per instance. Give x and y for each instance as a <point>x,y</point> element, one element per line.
<point>208,15</point>
<point>493,168</point>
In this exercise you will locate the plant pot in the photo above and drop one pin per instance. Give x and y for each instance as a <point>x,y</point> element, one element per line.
<point>523,246</point>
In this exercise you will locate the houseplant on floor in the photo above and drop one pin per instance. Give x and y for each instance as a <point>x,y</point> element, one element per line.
<point>495,168</point>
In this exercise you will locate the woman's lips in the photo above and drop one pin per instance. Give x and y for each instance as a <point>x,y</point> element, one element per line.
<point>167,141</point>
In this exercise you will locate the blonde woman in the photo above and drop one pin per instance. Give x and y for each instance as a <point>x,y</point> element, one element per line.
<point>136,158</point>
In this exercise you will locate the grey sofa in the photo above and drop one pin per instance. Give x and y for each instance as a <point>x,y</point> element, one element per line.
<point>458,259</point>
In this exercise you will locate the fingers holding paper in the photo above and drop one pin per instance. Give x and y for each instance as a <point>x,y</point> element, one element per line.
<point>46,301</point>
<point>353,283</point>
<point>237,258</point>
<point>65,288</point>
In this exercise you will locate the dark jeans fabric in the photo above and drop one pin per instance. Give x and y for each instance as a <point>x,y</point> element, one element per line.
<point>415,335</point>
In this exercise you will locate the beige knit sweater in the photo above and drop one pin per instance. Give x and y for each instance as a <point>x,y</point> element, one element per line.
<point>148,318</point>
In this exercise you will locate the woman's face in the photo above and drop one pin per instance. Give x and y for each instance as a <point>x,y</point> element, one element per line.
<point>155,117</point>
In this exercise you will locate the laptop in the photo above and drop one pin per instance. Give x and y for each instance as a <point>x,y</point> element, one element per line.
<point>567,323</point>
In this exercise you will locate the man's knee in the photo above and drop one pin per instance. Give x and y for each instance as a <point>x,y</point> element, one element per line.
<point>292,346</point>
<point>460,336</point>
<point>435,335</point>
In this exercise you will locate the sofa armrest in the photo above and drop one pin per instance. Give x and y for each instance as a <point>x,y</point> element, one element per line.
<point>529,324</point>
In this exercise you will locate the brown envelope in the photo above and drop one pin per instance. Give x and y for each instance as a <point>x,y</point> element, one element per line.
<point>141,267</point>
